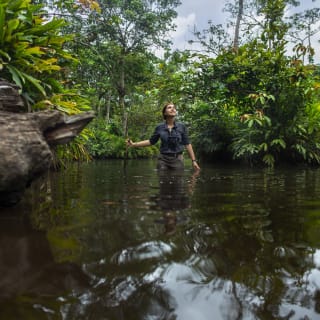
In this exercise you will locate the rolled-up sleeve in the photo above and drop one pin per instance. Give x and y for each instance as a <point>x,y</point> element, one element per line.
<point>184,137</point>
<point>155,136</point>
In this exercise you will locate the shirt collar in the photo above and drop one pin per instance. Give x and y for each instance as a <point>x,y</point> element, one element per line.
<point>166,125</point>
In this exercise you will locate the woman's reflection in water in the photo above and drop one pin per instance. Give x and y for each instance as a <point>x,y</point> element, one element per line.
<point>175,187</point>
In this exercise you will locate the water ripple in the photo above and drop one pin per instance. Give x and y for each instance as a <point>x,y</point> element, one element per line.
<point>144,251</point>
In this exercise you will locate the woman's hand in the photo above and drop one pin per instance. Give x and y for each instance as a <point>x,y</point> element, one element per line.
<point>195,165</point>
<point>144,143</point>
<point>129,143</point>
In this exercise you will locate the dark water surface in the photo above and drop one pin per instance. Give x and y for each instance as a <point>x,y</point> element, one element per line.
<point>106,240</point>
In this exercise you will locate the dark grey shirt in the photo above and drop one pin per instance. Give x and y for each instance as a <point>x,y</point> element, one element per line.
<point>172,141</point>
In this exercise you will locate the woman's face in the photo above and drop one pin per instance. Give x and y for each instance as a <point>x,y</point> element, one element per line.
<point>170,110</point>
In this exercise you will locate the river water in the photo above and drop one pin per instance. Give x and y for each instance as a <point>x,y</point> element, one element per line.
<point>119,240</point>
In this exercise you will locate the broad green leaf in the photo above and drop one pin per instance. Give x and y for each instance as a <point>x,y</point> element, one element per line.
<point>16,76</point>
<point>16,5</point>
<point>280,142</point>
<point>49,26</point>
<point>12,26</point>
<point>34,51</point>
<point>35,82</point>
<point>262,100</point>
<point>5,54</point>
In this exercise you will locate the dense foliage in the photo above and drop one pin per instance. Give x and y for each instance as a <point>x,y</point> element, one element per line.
<point>273,96</point>
<point>248,98</point>
<point>33,56</point>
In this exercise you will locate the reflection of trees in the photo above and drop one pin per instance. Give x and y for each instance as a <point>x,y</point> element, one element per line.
<point>53,204</point>
<point>242,245</point>
<point>37,252</point>
<point>29,274</point>
<point>254,271</point>
<point>257,239</point>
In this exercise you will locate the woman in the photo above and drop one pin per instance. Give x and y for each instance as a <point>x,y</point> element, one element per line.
<point>174,138</point>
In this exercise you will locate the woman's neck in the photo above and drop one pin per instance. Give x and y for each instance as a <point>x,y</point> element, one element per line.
<point>170,122</point>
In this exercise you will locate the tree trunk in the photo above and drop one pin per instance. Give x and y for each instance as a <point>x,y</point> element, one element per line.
<point>108,108</point>
<point>122,94</point>
<point>237,28</point>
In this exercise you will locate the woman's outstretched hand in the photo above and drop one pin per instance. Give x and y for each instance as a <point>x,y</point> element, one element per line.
<point>129,143</point>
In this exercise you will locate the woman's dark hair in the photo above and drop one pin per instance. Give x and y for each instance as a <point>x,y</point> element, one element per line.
<point>164,109</point>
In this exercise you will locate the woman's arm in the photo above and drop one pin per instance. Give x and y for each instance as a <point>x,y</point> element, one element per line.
<point>143,143</point>
<point>192,156</point>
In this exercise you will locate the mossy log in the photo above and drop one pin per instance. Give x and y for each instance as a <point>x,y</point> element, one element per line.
<point>26,140</point>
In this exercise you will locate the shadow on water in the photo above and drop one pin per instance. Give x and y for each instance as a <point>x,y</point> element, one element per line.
<point>108,241</point>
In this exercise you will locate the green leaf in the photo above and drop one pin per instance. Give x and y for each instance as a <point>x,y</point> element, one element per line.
<point>17,77</point>
<point>302,150</point>
<point>12,26</point>
<point>49,26</point>
<point>2,23</point>
<point>5,54</point>
<point>15,5</point>
<point>264,146</point>
<point>279,142</point>
<point>269,160</point>
<point>262,100</point>
<point>34,51</point>
<point>35,82</point>
<point>20,78</point>
<point>267,120</point>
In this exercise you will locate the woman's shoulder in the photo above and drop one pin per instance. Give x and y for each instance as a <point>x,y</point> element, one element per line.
<point>160,125</point>
<point>180,124</point>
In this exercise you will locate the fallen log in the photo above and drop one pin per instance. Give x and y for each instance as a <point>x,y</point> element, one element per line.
<point>26,140</point>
